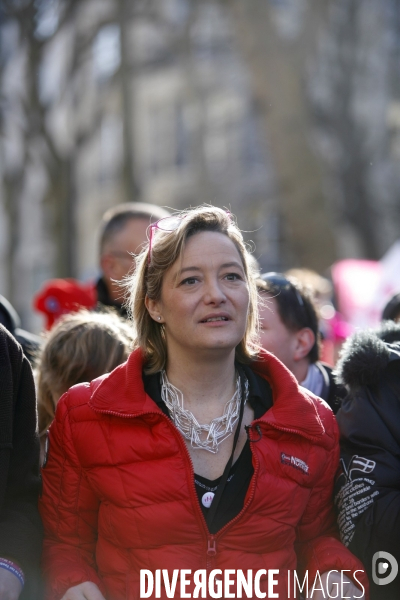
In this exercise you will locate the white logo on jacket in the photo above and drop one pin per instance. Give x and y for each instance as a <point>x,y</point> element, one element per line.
<point>293,461</point>
<point>357,463</point>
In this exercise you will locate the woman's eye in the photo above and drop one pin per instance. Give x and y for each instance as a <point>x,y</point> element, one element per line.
<point>233,277</point>
<point>189,281</point>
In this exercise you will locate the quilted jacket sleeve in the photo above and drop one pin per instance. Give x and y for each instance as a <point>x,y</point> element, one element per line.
<point>318,547</point>
<point>69,511</point>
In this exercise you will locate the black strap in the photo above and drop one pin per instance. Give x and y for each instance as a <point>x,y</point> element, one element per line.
<point>217,498</point>
<point>325,382</point>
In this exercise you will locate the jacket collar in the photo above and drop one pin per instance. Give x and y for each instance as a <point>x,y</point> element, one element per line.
<point>122,390</point>
<point>293,409</point>
<point>122,393</point>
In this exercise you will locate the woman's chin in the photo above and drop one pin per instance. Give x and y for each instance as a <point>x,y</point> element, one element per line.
<point>217,346</point>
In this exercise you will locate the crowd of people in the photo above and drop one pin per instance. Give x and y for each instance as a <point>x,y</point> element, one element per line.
<point>186,421</point>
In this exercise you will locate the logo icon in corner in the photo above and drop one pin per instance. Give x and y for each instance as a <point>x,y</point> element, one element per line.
<point>384,568</point>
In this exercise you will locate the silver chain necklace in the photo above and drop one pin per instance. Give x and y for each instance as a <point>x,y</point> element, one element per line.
<point>208,436</point>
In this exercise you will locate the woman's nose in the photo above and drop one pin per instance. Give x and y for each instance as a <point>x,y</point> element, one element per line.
<point>214,293</point>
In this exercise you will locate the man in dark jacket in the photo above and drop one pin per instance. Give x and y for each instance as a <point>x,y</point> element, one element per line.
<point>290,330</point>
<point>367,492</point>
<point>20,525</point>
<point>123,233</point>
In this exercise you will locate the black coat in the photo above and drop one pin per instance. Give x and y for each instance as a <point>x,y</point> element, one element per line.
<point>367,492</point>
<point>20,525</point>
<point>9,318</point>
<point>332,392</point>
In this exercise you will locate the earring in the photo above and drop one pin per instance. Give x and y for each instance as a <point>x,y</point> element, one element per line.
<point>159,318</point>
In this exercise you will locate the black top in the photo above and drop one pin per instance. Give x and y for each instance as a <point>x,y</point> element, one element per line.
<point>232,500</point>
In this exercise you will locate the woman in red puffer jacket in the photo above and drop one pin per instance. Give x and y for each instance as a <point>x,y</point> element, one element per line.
<point>200,452</point>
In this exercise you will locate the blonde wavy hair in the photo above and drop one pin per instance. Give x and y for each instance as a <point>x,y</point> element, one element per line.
<point>166,248</point>
<point>80,347</point>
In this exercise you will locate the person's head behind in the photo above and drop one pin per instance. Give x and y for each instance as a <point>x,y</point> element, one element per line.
<point>391,312</point>
<point>80,347</point>
<point>319,287</point>
<point>288,312</point>
<point>123,232</point>
<point>168,242</point>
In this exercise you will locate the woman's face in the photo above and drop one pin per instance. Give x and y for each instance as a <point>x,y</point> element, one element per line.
<point>204,297</point>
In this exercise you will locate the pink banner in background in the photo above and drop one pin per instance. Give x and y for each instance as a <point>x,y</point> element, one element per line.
<point>356,284</point>
<point>364,287</point>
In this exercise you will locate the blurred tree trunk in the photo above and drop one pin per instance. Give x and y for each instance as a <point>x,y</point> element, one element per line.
<point>38,143</point>
<point>356,68</point>
<point>277,71</point>
<point>130,185</point>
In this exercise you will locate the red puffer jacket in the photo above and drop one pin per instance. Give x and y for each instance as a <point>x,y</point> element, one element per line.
<point>119,492</point>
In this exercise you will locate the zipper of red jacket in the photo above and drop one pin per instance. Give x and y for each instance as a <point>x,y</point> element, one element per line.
<point>252,488</point>
<point>255,425</point>
<point>214,539</point>
<point>212,546</point>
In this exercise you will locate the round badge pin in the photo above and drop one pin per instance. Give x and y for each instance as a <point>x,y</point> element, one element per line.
<point>207,499</point>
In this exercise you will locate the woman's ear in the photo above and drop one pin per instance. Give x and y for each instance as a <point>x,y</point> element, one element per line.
<point>153,308</point>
